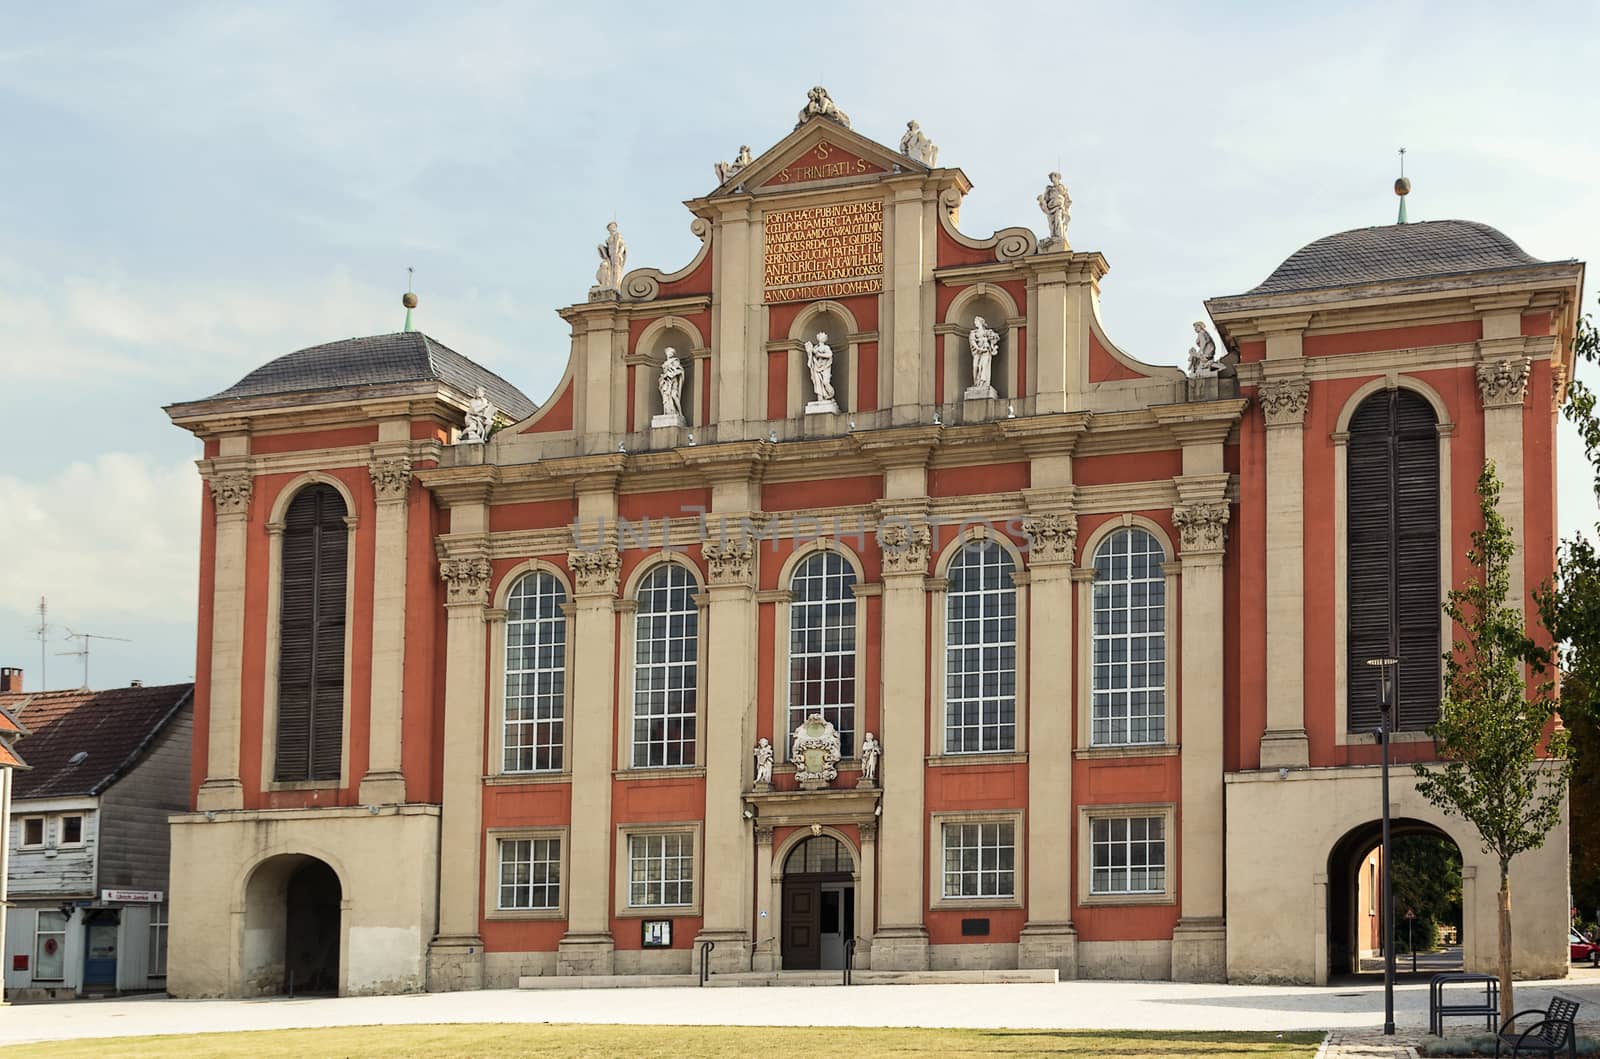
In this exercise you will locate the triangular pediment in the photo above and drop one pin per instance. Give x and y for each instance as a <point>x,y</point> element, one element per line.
<point>820,151</point>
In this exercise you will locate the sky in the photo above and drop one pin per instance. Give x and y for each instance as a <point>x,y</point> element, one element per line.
<point>188,190</point>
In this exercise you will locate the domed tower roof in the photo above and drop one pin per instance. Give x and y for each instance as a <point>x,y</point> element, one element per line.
<point>377,361</point>
<point>1396,252</point>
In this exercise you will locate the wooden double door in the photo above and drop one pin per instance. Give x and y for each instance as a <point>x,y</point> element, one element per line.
<point>819,916</point>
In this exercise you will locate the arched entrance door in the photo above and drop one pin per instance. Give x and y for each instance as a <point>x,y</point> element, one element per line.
<point>819,904</point>
<point>1427,882</point>
<point>292,929</point>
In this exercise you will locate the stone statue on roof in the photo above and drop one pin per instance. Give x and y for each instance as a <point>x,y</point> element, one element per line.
<point>916,146</point>
<point>820,104</point>
<point>726,171</point>
<point>480,418</point>
<point>1057,207</point>
<point>1203,354</point>
<point>613,262</point>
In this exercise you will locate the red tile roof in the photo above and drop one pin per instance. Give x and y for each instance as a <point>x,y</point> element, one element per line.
<point>7,725</point>
<point>111,729</point>
<point>9,758</point>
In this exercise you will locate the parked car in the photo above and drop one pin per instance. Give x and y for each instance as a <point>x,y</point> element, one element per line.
<point>1583,948</point>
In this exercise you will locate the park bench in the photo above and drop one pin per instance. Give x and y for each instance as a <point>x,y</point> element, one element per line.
<point>1485,1005</point>
<point>1554,1031</point>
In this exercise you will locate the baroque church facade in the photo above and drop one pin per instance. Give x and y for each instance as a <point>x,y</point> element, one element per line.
<point>855,596</point>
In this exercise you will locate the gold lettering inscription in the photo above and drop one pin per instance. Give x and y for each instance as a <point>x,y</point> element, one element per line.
<point>824,252</point>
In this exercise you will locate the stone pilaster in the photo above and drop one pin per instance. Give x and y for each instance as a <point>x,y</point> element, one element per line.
<point>587,947</point>
<point>766,947</point>
<point>1049,938</point>
<point>1503,386</point>
<point>231,487</point>
<point>384,782</point>
<point>731,559</point>
<point>901,941</point>
<point>455,957</point>
<point>1283,403</point>
<point>1199,939</point>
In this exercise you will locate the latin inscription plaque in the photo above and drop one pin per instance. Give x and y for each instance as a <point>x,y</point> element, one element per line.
<point>824,252</point>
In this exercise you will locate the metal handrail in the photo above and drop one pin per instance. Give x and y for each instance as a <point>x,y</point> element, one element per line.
<point>849,960</point>
<point>705,960</point>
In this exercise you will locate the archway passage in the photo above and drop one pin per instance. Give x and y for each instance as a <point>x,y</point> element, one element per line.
<point>819,904</point>
<point>292,927</point>
<point>1426,879</point>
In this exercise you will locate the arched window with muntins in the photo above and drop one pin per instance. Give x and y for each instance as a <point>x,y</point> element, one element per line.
<point>822,645</point>
<point>1392,536</point>
<point>536,674</point>
<point>311,621</point>
<point>665,653</point>
<point>819,854</point>
<point>980,700</point>
<point>1129,677</point>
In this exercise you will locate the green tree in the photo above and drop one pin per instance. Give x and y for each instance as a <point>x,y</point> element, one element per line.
<point>1505,768</point>
<point>1427,880</point>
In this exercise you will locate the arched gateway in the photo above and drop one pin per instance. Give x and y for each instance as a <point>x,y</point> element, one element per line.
<point>1355,877</point>
<point>292,927</point>
<point>819,903</point>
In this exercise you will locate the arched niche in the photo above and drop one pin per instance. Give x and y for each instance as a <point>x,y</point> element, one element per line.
<point>1001,315</point>
<point>839,325</point>
<point>651,353</point>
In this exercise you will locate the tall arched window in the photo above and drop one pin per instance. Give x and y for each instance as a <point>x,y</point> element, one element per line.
<point>1129,680</point>
<point>822,645</point>
<point>311,617</point>
<point>1392,537</point>
<point>665,648</point>
<point>980,700</point>
<point>536,674</point>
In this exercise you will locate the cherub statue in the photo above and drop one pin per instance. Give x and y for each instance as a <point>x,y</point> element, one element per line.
<point>763,753</point>
<point>1057,207</point>
<point>479,419</point>
<point>871,749</point>
<point>916,145</point>
<point>728,170</point>
<point>819,104</point>
<point>613,260</point>
<point>1202,355</point>
<point>819,359</point>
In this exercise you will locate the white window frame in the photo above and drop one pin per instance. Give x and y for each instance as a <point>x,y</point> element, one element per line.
<point>938,843</point>
<point>83,830</point>
<point>690,832</point>
<point>38,942</point>
<point>1089,815</point>
<point>838,622</point>
<point>1000,644</point>
<point>493,837</point>
<point>1151,640</point>
<point>686,670</point>
<point>547,701</point>
<point>156,957</point>
<point>22,832</point>
<point>541,857</point>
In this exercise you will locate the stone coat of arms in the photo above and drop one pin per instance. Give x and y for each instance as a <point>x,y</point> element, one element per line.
<point>815,753</point>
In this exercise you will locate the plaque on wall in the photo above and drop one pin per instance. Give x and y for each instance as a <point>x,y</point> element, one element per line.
<point>656,933</point>
<point>832,251</point>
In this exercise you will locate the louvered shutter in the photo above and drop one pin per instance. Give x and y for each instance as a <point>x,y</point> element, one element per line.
<point>1392,542</point>
<point>311,637</point>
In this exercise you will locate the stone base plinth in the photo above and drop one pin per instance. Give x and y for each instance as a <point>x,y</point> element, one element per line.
<point>455,963</point>
<point>673,420</point>
<point>580,954</point>
<point>821,407</point>
<point>383,788</point>
<point>219,795</point>
<point>1285,748</point>
<point>1046,946</point>
<point>1200,950</point>
<point>730,953</point>
<point>980,393</point>
<point>900,949</point>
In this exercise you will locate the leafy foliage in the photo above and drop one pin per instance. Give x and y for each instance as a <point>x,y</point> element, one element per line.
<point>1426,876</point>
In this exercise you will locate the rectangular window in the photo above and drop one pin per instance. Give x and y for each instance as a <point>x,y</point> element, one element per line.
<point>72,830</point>
<point>661,869</point>
<point>158,941</point>
<point>32,831</point>
<point>980,860</point>
<point>530,873</point>
<point>49,947</point>
<point>1128,855</point>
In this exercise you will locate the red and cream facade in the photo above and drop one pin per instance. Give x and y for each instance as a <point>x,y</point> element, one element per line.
<point>1017,820</point>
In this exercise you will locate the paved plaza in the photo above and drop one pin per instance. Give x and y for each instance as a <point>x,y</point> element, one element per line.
<point>1356,1011</point>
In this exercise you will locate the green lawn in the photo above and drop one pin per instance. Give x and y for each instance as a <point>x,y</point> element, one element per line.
<point>701,1042</point>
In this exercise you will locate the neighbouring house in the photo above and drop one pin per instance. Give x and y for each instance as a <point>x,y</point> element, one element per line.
<point>10,730</point>
<point>88,835</point>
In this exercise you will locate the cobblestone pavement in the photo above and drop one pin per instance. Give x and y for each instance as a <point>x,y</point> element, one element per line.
<point>1358,1044</point>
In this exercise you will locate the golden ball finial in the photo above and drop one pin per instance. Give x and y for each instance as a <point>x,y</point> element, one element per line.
<point>1402,186</point>
<point>409,300</point>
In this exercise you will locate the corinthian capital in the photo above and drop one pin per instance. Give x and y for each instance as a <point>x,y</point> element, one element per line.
<point>1283,401</point>
<point>391,477</point>
<point>230,492</point>
<point>1204,526</point>
<point>905,546</point>
<point>730,560</point>
<point>466,578</point>
<point>1503,382</point>
<point>594,570</point>
<point>1051,537</point>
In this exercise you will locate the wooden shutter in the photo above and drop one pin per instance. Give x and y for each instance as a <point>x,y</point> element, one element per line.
<point>1392,541</point>
<point>311,637</point>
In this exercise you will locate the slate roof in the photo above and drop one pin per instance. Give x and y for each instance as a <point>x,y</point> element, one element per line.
<point>112,727</point>
<point>1396,252</point>
<point>377,360</point>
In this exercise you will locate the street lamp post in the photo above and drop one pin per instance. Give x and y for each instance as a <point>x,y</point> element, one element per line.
<point>1386,696</point>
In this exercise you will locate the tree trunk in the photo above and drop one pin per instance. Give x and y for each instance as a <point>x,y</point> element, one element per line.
<point>1506,1005</point>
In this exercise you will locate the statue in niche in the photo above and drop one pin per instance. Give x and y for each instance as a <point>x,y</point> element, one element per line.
<point>916,146</point>
<point>1202,355</point>
<point>820,104</point>
<point>819,360</point>
<point>1057,207</point>
<point>984,342</point>
<point>480,418</point>
<point>671,384</point>
<point>763,753</point>
<point>613,262</point>
<point>871,750</point>
<point>728,170</point>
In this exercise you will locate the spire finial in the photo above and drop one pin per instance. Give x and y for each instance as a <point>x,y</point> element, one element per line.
<point>409,300</point>
<point>1402,187</point>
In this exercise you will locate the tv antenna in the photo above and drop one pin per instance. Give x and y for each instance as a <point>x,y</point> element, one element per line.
<point>85,638</point>
<point>42,634</point>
